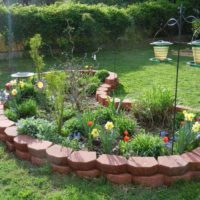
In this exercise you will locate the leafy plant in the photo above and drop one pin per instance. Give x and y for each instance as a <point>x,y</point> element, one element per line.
<point>35,45</point>
<point>39,128</point>
<point>71,126</point>
<point>27,108</point>
<point>102,75</point>
<point>108,136</point>
<point>155,108</point>
<point>11,114</point>
<point>142,144</point>
<point>56,89</point>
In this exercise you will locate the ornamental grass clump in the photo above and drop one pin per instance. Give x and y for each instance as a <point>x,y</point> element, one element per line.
<point>188,136</point>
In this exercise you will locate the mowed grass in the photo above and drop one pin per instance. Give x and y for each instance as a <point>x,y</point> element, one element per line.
<point>22,181</point>
<point>136,73</point>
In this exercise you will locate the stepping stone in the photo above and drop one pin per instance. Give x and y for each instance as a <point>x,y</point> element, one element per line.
<point>168,180</point>
<point>142,166</point>
<point>38,148</point>
<point>11,133</point>
<point>149,181</point>
<point>119,178</point>
<point>89,173</point>
<point>23,155</point>
<point>112,164</point>
<point>22,141</point>
<point>172,165</point>
<point>82,160</point>
<point>58,155</point>
<point>60,169</point>
<point>5,124</point>
<point>10,146</point>
<point>193,160</point>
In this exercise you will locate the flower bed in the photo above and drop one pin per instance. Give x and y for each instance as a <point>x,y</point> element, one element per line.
<point>148,170</point>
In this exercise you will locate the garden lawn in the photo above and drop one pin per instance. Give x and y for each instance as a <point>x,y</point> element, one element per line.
<point>136,73</point>
<point>20,180</point>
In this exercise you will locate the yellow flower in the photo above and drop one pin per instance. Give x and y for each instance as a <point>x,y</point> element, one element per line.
<point>109,126</point>
<point>196,127</point>
<point>13,82</point>
<point>86,67</point>
<point>14,92</point>
<point>95,132</point>
<point>188,116</point>
<point>40,84</point>
<point>21,84</point>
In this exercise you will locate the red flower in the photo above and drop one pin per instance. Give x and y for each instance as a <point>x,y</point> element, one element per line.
<point>166,139</point>
<point>126,133</point>
<point>126,138</point>
<point>8,86</point>
<point>89,123</point>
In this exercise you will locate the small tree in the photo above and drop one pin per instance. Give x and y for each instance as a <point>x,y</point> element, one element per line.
<point>35,45</point>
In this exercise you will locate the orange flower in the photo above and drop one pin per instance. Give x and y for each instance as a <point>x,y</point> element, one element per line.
<point>89,123</point>
<point>126,138</point>
<point>125,132</point>
<point>166,139</point>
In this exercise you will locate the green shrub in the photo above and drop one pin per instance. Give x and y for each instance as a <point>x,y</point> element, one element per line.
<point>125,124</point>
<point>39,128</point>
<point>91,88</point>
<point>27,108</point>
<point>143,145</point>
<point>155,108</point>
<point>11,114</point>
<point>102,115</point>
<point>68,113</point>
<point>71,126</point>
<point>28,91</point>
<point>102,75</point>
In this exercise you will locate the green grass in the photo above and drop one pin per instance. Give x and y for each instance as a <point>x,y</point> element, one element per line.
<point>136,73</point>
<point>21,181</point>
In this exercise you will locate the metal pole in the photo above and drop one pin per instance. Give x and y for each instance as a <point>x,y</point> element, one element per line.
<point>177,74</point>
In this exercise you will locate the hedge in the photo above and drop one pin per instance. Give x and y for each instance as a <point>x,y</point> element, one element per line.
<point>93,25</point>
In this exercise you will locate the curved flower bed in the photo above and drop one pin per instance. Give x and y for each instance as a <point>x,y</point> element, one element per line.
<point>146,171</point>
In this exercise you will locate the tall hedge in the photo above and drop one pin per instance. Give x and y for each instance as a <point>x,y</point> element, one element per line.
<point>93,25</point>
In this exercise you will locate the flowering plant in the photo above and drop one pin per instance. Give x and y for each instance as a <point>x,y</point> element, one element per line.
<point>108,136</point>
<point>188,136</point>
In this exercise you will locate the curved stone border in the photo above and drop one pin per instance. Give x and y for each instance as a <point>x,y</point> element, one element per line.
<point>145,171</point>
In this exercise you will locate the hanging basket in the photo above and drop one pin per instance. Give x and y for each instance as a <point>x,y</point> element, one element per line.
<point>161,49</point>
<point>196,51</point>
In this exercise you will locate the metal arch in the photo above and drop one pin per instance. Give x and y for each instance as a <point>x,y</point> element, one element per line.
<point>187,19</point>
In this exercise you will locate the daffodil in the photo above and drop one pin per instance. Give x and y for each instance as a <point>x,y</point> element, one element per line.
<point>21,84</point>
<point>188,116</point>
<point>40,84</point>
<point>196,127</point>
<point>95,133</point>
<point>109,126</point>
<point>13,82</point>
<point>14,92</point>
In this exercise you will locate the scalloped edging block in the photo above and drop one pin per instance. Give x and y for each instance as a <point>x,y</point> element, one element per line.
<point>21,142</point>
<point>112,164</point>
<point>119,178</point>
<point>58,155</point>
<point>142,166</point>
<point>193,160</point>
<point>82,160</point>
<point>22,155</point>
<point>38,148</point>
<point>11,133</point>
<point>10,146</point>
<point>89,173</point>
<point>3,125</point>
<point>172,165</point>
<point>60,169</point>
<point>149,181</point>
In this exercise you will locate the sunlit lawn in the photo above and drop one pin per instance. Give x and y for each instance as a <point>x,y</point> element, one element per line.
<point>136,73</point>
